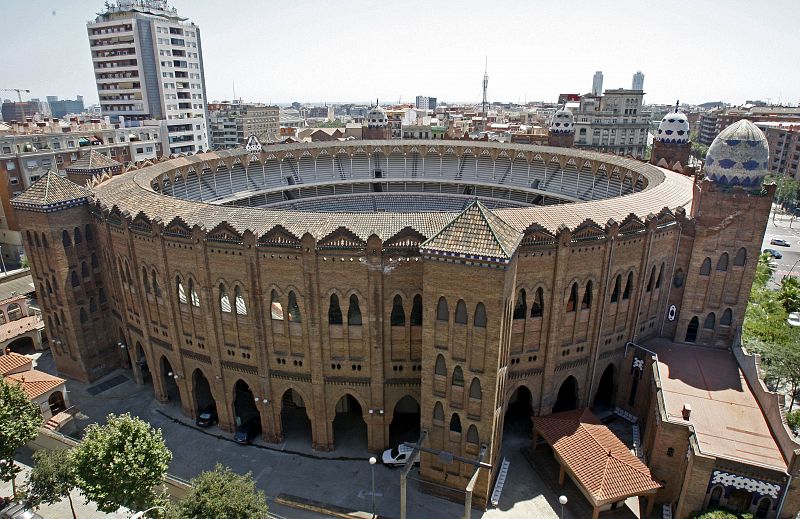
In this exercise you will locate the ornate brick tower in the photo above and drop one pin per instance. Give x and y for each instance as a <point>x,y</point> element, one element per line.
<point>562,129</point>
<point>377,124</point>
<point>715,269</point>
<point>671,146</point>
<point>60,242</point>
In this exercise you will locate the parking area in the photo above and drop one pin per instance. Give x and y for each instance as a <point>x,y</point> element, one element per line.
<point>341,477</point>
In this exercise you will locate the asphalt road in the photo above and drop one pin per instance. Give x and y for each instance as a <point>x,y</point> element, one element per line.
<point>786,228</point>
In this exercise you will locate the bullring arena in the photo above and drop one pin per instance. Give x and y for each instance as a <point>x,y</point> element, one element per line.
<point>372,290</point>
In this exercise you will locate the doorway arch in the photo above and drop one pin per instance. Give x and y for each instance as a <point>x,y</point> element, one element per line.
<point>201,389</point>
<point>567,398</point>
<point>295,425</point>
<point>56,402</point>
<point>517,420</point>
<point>141,360</point>
<point>21,345</point>
<point>604,396</point>
<point>349,427</point>
<point>691,330</point>
<point>405,426</point>
<point>244,403</point>
<point>168,377</point>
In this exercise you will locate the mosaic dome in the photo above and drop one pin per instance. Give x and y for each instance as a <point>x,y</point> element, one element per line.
<point>563,121</point>
<point>673,129</point>
<point>376,118</point>
<point>738,156</point>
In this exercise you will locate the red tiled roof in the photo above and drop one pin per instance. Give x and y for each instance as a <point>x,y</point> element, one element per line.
<point>11,362</point>
<point>599,461</point>
<point>36,383</point>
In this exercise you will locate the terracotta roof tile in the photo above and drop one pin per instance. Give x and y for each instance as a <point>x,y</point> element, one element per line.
<point>11,362</point>
<point>600,462</point>
<point>36,383</point>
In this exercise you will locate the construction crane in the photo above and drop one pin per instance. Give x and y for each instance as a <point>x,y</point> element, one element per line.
<point>19,92</point>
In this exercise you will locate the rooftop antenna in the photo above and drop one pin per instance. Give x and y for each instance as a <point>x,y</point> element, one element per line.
<point>485,86</point>
<point>676,105</point>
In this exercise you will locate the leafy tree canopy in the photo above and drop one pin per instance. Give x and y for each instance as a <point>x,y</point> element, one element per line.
<point>223,494</point>
<point>20,419</point>
<point>51,479</point>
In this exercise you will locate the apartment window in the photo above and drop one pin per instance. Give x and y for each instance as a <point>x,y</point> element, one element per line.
<point>10,166</point>
<point>6,149</point>
<point>32,164</point>
<point>56,145</point>
<point>149,149</point>
<point>70,144</point>
<point>34,178</point>
<point>13,181</point>
<point>113,152</point>
<point>139,150</point>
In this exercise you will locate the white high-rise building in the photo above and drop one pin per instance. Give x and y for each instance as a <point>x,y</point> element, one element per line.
<point>148,64</point>
<point>597,83</point>
<point>638,81</point>
<point>422,102</point>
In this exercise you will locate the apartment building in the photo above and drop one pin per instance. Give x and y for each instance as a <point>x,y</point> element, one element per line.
<point>148,64</point>
<point>232,123</point>
<point>714,121</point>
<point>784,147</point>
<point>613,122</point>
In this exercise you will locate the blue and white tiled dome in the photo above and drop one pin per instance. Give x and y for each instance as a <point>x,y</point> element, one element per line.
<point>738,156</point>
<point>673,129</point>
<point>563,121</point>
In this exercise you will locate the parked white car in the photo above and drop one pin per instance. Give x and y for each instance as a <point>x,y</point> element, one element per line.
<point>397,456</point>
<point>794,319</point>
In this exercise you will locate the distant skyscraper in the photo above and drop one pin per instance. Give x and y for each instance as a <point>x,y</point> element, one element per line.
<point>148,64</point>
<point>597,83</point>
<point>61,107</point>
<point>422,102</point>
<point>638,81</point>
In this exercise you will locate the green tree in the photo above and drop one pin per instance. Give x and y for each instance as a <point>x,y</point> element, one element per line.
<point>51,479</point>
<point>336,123</point>
<point>224,494</point>
<point>789,294</point>
<point>698,150</point>
<point>120,463</point>
<point>721,514</point>
<point>20,419</point>
<point>793,420</point>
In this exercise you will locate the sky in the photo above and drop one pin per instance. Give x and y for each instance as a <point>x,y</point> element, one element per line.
<point>316,51</point>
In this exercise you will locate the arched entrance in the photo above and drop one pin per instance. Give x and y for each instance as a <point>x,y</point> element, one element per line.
<point>567,398</point>
<point>691,330</point>
<point>203,397</point>
<point>21,345</point>
<point>763,508</point>
<point>170,386</point>
<point>517,421</point>
<point>244,403</point>
<point>56,402</point>
<point>604,397</point>
<point>295,425</point>
<point>142,362</point>
<point>405,426</point>
<point>349,428</point>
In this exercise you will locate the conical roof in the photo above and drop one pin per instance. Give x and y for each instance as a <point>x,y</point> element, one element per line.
<point>475,233</point>
<point>51,192</point>
<point>93,162</point>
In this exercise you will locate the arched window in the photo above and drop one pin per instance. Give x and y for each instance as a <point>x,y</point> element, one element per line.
<point>416,311</point>
<point>722,263</point>
<point>705,268</point>
<point>179,288</point>
<point>89,235</point>
<point>455,423</point>
<point>586,303</point>
<point>241,307</point>
<point>615,292</point>
<point>49,286</point>
<point>77,236</point>
<point>738,261</point>
<point>727,317</point>
<point>472,435</point>
<point>458,377</point>
<point>626,294</point>
<point>84,317</point>
<point>537,308</point>
<point>127,274</point>
<point>334,311</point>
<point>353,312</point>
<point>192,294</point>
<point>92,305</point>
<point>652,280</point>
<point>76,282</point>
<point>677,281</point>
<point>101,295</point>
<point>691,330</point>
<point>14,312</point>
<point>36,238</point>
<point>475,389</point>
<point>95,262</point>
<point>224,300</point>
<point>84,270</point>
<point>294,309</point>
<point>660,277</point>
<point>521,307</point>
<point>44,241</point>
<point>710,322</point>
<point>65,239</point>
<point>275,306</point>
<point>572,302</point>
<point>3,317</point>
<point>398,317</point>
<point>480,316</point>
<point>438,413</point>
<point>441,366</point>
<point>461,312</point>
<point>716,495</point>
<point>156,287</point>
<point>764,506</point>
<point>144,280</point>
<point>442,312</point>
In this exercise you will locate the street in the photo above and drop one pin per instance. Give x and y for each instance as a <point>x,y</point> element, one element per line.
<point>787,228</point>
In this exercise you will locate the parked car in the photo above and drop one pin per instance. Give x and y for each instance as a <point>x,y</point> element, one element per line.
<point>780,242</point>
<point>397,456</point>
<point>247,431</point>
<point>794,319</point>
<point>772,252</point>
<point>207,417</point>
<point>18,510</point>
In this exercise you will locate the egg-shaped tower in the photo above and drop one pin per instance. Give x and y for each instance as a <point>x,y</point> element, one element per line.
<point>738,156</point>
<point>671,145</point>
<point>562,129</point>
<point>377,124</point>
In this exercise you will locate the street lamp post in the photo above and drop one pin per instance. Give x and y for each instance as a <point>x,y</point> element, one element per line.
<point>372,462</point>
<point>563,501</point>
